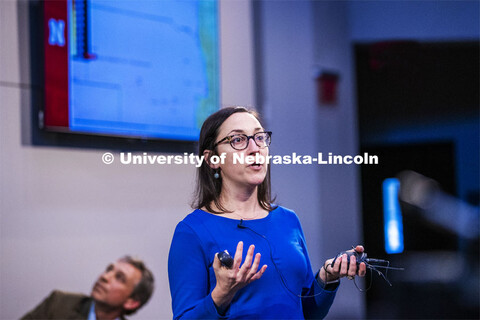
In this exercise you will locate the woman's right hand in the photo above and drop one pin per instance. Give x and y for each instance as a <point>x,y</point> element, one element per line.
<point>229,281</point>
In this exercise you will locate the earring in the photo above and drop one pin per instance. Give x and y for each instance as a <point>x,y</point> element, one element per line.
<point>216,175</point>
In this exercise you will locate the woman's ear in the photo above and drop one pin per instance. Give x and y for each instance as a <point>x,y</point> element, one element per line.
<point>207,154</point>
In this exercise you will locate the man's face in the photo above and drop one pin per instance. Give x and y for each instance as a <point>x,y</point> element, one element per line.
<point>115,285</point>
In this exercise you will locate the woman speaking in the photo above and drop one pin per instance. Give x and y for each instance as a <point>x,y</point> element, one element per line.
<point>271,276</point>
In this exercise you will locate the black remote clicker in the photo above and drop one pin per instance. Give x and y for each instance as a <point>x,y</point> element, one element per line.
<point>372,264</point>
<point>226,259</point>
<point>359,256</point>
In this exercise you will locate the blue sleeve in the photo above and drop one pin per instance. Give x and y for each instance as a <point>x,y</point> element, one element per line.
<point>188,277</point>
<point>317,307</point>
<point>319,300</point>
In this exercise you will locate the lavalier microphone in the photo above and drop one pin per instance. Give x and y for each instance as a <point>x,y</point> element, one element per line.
<point>240,225</point>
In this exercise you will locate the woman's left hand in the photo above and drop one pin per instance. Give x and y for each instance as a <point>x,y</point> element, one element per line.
<point>341,267</point>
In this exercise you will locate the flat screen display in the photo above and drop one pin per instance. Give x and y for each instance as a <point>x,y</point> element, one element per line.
<point>147,69</point>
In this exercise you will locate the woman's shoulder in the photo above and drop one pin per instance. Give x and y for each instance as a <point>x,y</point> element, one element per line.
<point>282,210</point>
<point>199,219</point>
<point>192,219</point>
<point>284,213</point>
<point>192,226</point>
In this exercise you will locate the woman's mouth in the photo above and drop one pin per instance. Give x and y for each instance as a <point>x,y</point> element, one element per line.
<point>256,166</point>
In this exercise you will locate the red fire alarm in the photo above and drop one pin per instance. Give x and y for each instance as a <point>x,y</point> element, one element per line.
<point>327,84</point>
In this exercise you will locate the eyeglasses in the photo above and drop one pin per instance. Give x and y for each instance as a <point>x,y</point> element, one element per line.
<point>240,141</point>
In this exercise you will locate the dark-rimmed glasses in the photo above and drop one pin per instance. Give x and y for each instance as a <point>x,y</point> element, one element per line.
<point>240,141</point>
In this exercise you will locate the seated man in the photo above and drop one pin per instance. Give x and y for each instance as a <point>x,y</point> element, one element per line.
<point>121,289</point>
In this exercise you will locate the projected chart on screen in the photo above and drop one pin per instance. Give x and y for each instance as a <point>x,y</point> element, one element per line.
<point>133,68</point>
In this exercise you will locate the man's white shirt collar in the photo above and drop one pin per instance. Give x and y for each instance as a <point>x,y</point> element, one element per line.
<point>92,315</point>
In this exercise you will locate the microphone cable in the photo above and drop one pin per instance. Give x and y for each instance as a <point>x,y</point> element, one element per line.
<point>240,225</point>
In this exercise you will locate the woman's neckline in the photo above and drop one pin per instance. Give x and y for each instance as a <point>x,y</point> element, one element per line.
<point>219,215</point>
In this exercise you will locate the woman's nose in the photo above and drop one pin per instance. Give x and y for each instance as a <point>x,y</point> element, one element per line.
<point>252,145</point>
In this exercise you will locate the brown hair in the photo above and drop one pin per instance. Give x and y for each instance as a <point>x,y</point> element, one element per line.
<point>208,188</point>
<point>144,288</point>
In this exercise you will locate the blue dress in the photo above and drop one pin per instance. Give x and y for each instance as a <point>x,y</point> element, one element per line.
<point>276,295</point>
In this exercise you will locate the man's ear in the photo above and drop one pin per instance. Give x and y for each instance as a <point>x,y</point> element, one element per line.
<point>207,154</point>
<point>131,304</point>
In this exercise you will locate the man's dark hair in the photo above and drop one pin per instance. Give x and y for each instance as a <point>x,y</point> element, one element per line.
<point>208,188</point>
<point>144,288</point>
